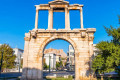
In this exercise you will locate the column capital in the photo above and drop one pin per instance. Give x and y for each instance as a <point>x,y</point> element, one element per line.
<point>26,38</point>
<point>50,9</point>
<point>37,8</point>
<point>81,9</point>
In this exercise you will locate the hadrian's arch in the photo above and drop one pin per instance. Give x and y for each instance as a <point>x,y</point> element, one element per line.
<point>36,40</point>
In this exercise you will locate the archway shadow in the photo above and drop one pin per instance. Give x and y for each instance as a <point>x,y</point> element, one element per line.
<point>34,74</point>
<point>31,74</point>
<point>89,71</point>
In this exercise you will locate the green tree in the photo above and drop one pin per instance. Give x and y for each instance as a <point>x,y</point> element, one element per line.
<point>8,61</point>
<point>21,63</point>
<point>59,64</point>
<point>109,57</point>
<point>115,33</point>
<point>45,66</point>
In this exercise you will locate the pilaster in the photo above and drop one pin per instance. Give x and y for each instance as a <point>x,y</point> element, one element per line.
<point>25,56</point>
<point>90,44</point>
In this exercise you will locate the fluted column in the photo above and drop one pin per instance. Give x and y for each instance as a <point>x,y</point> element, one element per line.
<point>81,18</point>
<point>36,19</point>
<point>67,19</point>
<point>50,19</point>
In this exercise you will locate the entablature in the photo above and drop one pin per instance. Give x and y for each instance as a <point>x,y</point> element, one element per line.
<point>58,4</point>
<point>88,30</point>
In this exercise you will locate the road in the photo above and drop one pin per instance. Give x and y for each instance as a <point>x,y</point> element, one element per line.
<point>11,74</point>
<point>57,73</point>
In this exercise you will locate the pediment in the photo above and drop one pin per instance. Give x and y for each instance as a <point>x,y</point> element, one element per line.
<point>59,2</point>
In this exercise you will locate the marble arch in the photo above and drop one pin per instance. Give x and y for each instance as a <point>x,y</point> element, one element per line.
<point>36,40</point>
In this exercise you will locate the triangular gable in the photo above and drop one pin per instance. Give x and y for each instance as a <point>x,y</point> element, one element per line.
<point>59,2</point>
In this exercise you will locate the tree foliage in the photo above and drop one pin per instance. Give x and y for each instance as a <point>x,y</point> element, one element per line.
<point>109,57</point>
<point>45,66</point>
<point>115,33</point>
<point>59,64</point>
<point>8,61</point>
<point>21,63</point>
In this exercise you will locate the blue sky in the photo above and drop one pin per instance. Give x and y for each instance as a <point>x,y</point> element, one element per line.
<point>18,17</point>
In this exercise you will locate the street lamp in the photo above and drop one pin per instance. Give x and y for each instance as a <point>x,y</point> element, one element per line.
<point>49,62</point>
<point>19,62</point>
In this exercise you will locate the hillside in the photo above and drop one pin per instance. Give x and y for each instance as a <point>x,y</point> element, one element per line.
<point>56,51</point>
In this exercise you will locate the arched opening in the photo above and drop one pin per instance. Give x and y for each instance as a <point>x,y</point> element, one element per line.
<point>59,58</point>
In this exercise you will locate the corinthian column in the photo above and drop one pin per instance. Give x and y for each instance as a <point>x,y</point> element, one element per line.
<point>67,19</point>
<point>50,19</point>
<point>81,18</point>
<point>36,19</point>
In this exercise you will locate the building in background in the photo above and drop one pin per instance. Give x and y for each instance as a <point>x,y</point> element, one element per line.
<point>52,56</point>
<point>19,57</point>
<point>95,50</point>
<point>58,58</point>
<point>50,59</point>
<point>59,52</point>
<point>70,58</point>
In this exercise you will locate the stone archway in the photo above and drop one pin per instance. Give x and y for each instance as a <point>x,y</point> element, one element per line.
<point>36,40</point>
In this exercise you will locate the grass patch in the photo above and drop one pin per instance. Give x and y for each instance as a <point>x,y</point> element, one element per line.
<point>60,78</point>
<point>108,78</point>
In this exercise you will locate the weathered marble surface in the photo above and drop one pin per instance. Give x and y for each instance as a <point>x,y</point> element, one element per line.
<point>36,40</point>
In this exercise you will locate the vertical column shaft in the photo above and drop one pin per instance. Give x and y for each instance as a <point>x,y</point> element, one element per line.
<point>36,19</point>
<point>50,19</point>
<point>81,18</point>
<point>67,19</point>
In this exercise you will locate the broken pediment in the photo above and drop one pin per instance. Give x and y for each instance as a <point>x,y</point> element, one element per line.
<point>59,2</point>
